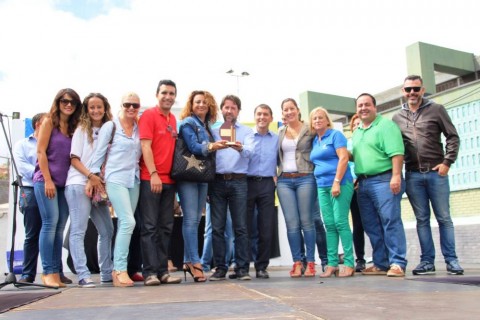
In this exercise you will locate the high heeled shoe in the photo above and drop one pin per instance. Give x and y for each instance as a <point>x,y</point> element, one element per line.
<point>310,270</point>
<point>121,279</point>
<point>347,272</point>
<point>49,280</point>
<point>57,279</point>
<point>296,271</point>
<point>329,271</point>
<point>195,271</point>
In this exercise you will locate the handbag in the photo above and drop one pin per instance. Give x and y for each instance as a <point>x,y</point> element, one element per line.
<point>190,167</point>
<point>100,198</point>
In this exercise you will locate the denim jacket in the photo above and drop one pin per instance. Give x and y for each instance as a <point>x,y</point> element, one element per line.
<point>302,154</point>
<point>195,134</point>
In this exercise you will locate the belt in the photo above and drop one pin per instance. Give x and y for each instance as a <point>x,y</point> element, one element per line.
<point>421,170</point>
<point>230,176</point>
<point>258,178</point>
<point>366,176</point>
<point>294,174</point>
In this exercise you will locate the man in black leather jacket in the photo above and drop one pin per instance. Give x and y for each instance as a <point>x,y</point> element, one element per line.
<point>427,163</point>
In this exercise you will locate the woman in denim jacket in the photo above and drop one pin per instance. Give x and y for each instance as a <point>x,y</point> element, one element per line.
<point>197,115</point>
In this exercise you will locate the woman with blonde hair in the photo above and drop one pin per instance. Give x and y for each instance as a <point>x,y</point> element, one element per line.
<point>122,177</point>
<point>335,188</point>
<point>95,112</point>
<point>197,116</point>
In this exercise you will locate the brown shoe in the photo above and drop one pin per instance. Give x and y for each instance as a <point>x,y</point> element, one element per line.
<point>65,279</point>
<point>121,279</point>
<point>374,271</point>
<point>310,270</point>
<point>296,271</point>
<point>57,279</point>
<point>151,280</point>
<point>395,271</point>
<point>50,280</point>
<point>168,279</point>
<point>347,272</point>
<point>329,271</point>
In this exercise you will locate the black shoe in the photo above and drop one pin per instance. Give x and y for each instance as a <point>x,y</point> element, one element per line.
<point>262,274</point>
<point>454,268</point>
<point>218,275</point>
<point>423,268</point>
<point>65,279</point>
<point>232,275</point>
<point>26,279</point>
<point>243,275</point>
<point>360,266</point>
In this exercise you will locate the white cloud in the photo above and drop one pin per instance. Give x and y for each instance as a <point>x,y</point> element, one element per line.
<point>343,47</point>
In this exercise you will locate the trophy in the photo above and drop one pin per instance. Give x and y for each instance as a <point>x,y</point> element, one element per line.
<point>227,132</point>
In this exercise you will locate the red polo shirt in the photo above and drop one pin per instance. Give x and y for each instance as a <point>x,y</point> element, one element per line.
<point>154,125</point>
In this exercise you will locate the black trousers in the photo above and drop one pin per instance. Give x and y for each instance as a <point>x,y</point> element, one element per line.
<point>261,195</point>
<point>156,224</point>
<point>358,232</point>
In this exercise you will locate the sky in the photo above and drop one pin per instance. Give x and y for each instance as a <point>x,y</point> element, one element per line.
<point>287,47</point>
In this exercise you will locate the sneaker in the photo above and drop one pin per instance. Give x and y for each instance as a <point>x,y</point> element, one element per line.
<point>86,283</point>
<point>424,267</point>
<point>454,268</point>
<point>374,271</point>
<point>151,280</point>
<point>218,275</point>
<point>26,279</point>
<point>395,271</point>
<point>360,266</point>
<point>243,275</point>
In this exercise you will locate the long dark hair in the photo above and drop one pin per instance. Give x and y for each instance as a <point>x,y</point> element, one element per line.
<point>54,113</point>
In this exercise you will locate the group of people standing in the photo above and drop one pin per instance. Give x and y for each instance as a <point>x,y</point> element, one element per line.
<point>79,149</point>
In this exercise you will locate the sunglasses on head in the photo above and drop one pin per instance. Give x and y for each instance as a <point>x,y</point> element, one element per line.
<point>127,105</point>
<point>409,89</point>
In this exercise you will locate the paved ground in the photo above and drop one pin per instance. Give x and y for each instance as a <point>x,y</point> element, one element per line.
<point>280,297</point>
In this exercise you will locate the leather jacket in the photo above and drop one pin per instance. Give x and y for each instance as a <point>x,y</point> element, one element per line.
<point>421,132</point>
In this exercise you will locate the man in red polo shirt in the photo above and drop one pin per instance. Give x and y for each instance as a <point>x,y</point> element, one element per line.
<point>158,131</point>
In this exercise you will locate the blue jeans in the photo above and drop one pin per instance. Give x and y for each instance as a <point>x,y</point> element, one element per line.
<point>297,197</point>
<point>207,240</point>
<point>381,217</point>
<point>193,197</point>
<point>54,213</point>
<point>423,189</point>
<point>33,224</point>
<point>81,209</point>
<point>224,195</point>
<point>124,201</point>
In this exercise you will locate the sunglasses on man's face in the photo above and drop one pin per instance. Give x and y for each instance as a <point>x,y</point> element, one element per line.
<point>127,105</point>
<point>409,89</point>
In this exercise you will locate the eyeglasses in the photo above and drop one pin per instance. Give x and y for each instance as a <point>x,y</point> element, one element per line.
<point>65,102</point>
<point>127,105</point>
<point>409,89</point>
<point>172,132</point>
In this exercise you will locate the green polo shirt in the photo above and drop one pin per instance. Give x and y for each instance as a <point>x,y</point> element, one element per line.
<point>373,147</point>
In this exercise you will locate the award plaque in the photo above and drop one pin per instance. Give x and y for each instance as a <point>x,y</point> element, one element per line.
<point>227,132</point>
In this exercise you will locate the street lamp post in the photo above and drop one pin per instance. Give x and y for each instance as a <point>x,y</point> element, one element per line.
<point>238,76</point>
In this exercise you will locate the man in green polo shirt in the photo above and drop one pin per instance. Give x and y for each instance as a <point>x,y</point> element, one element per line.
<point>378,154</point>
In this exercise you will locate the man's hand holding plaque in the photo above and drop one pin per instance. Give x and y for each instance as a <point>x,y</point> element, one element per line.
<point>227,132</point>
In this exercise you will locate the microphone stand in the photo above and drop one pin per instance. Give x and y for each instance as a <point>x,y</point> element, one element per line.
<point>11,278</point>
